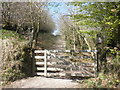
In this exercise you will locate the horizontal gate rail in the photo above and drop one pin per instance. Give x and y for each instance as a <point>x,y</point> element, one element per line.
<point>70,57</point>
<point>66,51</point>
<point>40,57</point>
<point>39,51</point>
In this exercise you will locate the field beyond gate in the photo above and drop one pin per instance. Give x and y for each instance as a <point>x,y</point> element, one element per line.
<point>66,63</point>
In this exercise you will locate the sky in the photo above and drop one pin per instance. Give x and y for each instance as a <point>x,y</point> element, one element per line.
<point>57,9</point>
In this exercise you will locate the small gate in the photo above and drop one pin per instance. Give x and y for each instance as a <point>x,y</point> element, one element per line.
<point>61,63</point>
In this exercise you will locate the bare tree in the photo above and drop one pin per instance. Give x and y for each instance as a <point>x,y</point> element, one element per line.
<point>27,18</point>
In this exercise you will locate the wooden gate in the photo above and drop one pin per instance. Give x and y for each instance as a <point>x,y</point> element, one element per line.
<point>59,63</point>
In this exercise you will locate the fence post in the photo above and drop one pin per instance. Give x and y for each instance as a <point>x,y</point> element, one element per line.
<point>45,63</point>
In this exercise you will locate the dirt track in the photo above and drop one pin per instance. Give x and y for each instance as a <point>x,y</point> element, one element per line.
<point>42,82</point>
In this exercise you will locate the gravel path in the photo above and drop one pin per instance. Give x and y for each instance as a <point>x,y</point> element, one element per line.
<point>42,82</point>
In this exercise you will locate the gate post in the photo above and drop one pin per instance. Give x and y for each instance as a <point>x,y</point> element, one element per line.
<point>96,62</point>
<point>45,63</point>
<point>33,63</point>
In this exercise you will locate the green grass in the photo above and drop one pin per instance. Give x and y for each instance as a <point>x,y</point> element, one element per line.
<point>7,34</point>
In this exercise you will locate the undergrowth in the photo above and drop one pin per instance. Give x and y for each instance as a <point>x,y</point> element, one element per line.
<point>109,77</point>
<point>14,57</point>
<point>102,81</point>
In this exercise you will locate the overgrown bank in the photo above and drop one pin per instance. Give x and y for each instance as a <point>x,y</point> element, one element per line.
<point>15,57</point>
